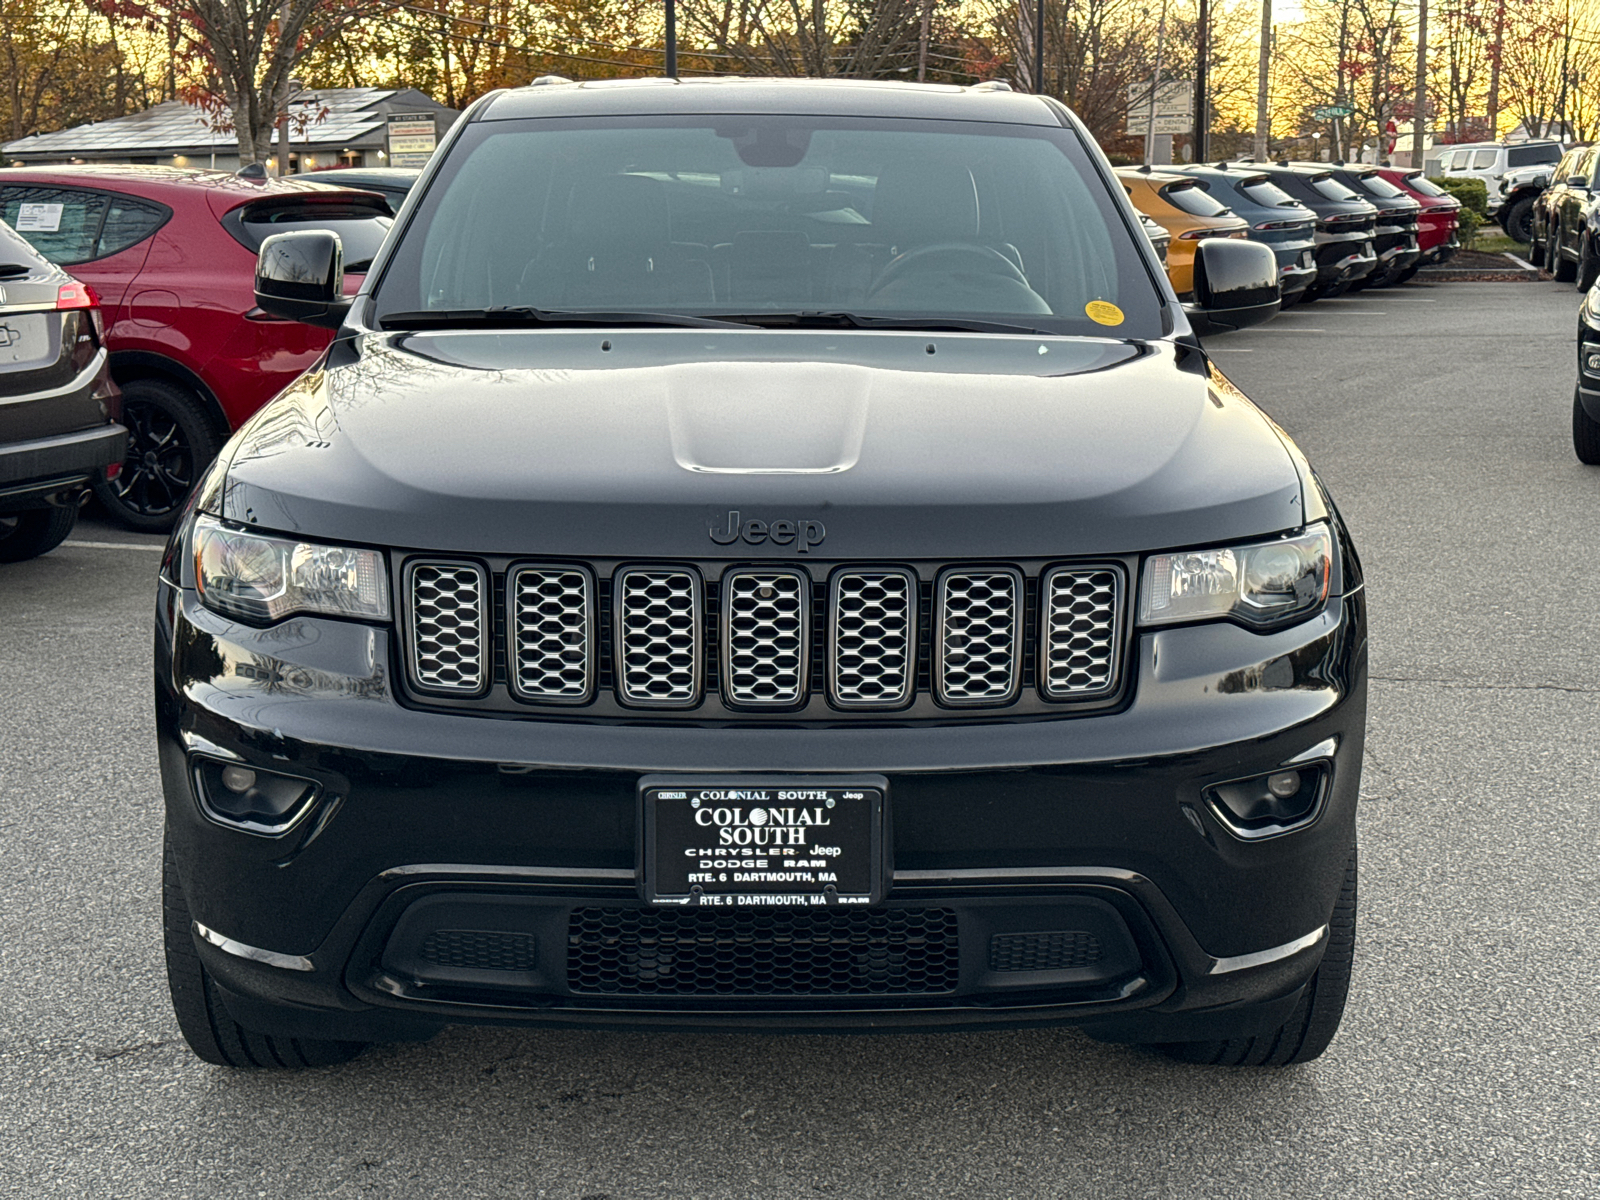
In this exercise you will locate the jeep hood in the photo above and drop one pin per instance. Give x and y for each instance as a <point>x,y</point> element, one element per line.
<point>624,443</point>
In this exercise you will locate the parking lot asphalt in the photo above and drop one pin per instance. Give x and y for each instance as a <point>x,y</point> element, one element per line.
<point>1466,1066</point>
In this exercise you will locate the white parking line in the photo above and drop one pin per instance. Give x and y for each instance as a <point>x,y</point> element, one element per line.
<point>114,546</point>
<point>1231,350</point>
<point>1405,300</point>
<point>1291,330</point>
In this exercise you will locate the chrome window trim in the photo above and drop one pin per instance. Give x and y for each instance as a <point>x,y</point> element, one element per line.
<point>591,629</point>
<point>913,644</point>
<point>485,627</point>
<point>618,649</point>
<point>940,593</point>
<point>725,643</point>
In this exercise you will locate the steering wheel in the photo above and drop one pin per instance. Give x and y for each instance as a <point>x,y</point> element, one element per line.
<point>984,258</point>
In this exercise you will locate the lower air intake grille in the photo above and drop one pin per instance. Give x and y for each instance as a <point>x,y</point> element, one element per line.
<point>677,952</point>
<point>1062,950</point>
<point>479,950</point>
<point>448,622</point>
<point>1078,651</point>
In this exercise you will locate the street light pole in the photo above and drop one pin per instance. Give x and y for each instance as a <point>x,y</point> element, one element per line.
<point>672,39</point>
<point>1202,62</point>
<point>1038,49</point>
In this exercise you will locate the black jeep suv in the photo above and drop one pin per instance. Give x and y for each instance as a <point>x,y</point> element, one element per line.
<point>763,555</point>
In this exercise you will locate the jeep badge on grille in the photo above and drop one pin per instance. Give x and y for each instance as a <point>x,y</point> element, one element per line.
<point>802,535</point>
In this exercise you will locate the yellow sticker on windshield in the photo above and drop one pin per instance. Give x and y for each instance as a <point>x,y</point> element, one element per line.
<point>1103,312</point>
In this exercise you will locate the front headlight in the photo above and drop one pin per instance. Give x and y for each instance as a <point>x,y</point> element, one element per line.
<point>1264,583</point>
<point>257,577</point>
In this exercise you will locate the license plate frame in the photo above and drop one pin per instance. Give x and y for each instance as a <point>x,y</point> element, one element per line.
<point>854,871</point>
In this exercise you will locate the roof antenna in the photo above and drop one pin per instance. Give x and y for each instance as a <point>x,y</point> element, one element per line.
<point>254,172</point>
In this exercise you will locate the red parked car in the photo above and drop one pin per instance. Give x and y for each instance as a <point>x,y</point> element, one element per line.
<point>172,254</point>
<point>1436,223</point>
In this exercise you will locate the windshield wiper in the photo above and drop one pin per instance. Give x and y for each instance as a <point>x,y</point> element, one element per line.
<point>851,320</point>
<point>505,315</point>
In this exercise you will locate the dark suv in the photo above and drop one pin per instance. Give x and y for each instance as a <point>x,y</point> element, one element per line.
<point>1276,219</point>
<point>58,406</point>
<point>761,555</point>
<point>1345,252</point>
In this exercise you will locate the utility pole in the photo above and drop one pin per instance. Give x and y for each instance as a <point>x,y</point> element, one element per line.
<point>1155,90</point>
<point>1263,128</point>
<point>1038,49</point>
<point>922,41</point>
<point>672,39</point>
<point>1202,116</point>
<point>1494,70</point>
<point>1419,107</point>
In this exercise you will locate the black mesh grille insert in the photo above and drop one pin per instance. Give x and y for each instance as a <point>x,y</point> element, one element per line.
<point>479,950</point>
<point>807,952</point>
<point>1059,950</point>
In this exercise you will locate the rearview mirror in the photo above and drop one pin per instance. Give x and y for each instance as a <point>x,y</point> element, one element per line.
<point>300,276</point>
<point>1235,285</point>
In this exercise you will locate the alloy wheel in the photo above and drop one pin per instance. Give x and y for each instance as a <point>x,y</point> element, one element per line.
<point>159,468</point>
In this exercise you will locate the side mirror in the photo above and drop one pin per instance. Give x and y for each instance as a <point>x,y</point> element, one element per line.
<point>1235,285</point>
<point>300,276</point>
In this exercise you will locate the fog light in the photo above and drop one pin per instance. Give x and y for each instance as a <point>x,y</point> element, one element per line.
<point>1591,362</point>
<point>238,779</point>
<point>1282,785</point>
<point>1267,805</point>
<point>251,799</point>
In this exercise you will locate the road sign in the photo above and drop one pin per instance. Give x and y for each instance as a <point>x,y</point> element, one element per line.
<point>411,139</point>
<point>1332,112</point>
<point>1174,105</point>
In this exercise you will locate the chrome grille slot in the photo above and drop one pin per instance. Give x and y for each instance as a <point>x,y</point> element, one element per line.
<point>873,656</point>
<point>1079,635</point>
<point>448,627</point>
<point>550,614</point>
<point>977,647</point>
<point>766,632</point>
<point>658,637</point>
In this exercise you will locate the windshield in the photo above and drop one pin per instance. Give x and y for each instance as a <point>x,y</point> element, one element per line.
<point>1331,188</point>
<point>1270,195</point>
<point>741,215</point>
<point>1527,156</point>
<point>1193,199</point>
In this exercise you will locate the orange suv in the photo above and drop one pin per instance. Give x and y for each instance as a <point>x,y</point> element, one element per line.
<point>1187,211</point>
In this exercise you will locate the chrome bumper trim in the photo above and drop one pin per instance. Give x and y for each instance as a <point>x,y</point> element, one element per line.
<point>1261,958</point>
<point>288,962</point>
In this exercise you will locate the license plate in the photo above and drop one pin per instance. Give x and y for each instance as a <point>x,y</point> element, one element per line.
<point>24,337</point>
<point>768,841</point>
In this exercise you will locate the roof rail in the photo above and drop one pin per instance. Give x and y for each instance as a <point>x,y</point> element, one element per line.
<point>991,85</point>
<point>546,80</point>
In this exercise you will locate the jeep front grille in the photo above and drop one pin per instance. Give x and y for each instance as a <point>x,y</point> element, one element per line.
<point>766,634</point>
<point>1078,644</point>
<point>449,621</point>
<point>812,641</point>
<point>978,643</point>
<point>873,652</point>
<point>659,617</point>
<point>550,615</point>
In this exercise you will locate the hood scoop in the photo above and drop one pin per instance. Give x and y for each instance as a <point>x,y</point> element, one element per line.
<point>749,419</point>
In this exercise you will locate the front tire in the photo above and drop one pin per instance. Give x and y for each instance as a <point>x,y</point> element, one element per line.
<point>1585,433</point>
<point>1588,266</point>
<point>34,532</point>
<point>1518,221</point>
<point>210,1031</point>
<point>1315,1020</point>
<point>171,441</point>
<point>1561,270</point>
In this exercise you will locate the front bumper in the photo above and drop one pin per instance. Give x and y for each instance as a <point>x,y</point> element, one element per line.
<point>438,823</point>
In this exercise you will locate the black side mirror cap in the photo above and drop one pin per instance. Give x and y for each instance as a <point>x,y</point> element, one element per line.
<point>300,277</point>
<point>1235,285</point>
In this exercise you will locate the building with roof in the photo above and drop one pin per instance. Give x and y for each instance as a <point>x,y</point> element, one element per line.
<point>329,127</point>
